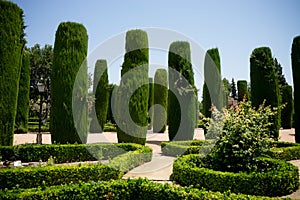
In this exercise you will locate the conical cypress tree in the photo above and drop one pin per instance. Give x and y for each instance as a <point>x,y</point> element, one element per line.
<point>287,111</point>
<point>11,46</point>
<point>21,124</point>
<point>160,98</point>
<point>134,90</point>
<point>70,50</point>
<point>213,92</point>
<point>242,90</point>
<point>296,78</point>
<point>100,89</point>
<point>182,96</point>
<point>264,84</point>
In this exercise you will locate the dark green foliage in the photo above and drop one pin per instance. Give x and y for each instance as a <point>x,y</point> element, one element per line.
<point>296,78</point>
<point>233,89</point>
<point>150,103</point>
<point>122,189</point>
<point>100,89</point>
<point>264,84</point>
<point>212,89</point>
<point>182,96</point>
<point>242,90</point>
<point>275,177</point>
<point>160,98</point>
<point>287,111</point>
<point>133,91</point>
<point>110,117</point>
<point>70,50</point>
<point>11,47</point>
<point>21,124</point>
<point>281,78</point>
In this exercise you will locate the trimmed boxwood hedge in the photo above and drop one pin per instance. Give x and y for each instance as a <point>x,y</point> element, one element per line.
<point>68,152</point>
<point>277,179</point>
<point>121,189</point>
<point>28,177</point>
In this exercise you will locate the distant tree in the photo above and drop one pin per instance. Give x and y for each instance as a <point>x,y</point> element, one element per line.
<point>21,124</point>
<point>182,95</point>
<point>227,86</point>
<point>264,84</point>
<point>296,78</point>
<point>287,111</point>
<point>160,98</point>
<point>281,78</point>
<point>12,43</point>
<point>101,92</point>
<point>70,51</point>
<point>242,90</point>
<point>233,89</point>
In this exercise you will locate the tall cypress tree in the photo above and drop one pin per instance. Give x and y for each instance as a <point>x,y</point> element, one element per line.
<point>287,111</point>
<point>264,84</point>
<point>212,89</point>
<point>100,89</point>
<point>160,98</point>
<point>150,103</point>
<point>11,46</point>
<point>21,124</point>
<point>296,78</point>
<point>182,96</point>
<point>70,50</point>
<point>242,90</point>
<point>134,90</point>
<point>233,89</point>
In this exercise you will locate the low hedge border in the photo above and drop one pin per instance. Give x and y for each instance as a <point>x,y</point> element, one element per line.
<point>28,177</point>
<point>280,179</point>
<point>66,152</point>
<point>281,150</point>
<point>121,189</point>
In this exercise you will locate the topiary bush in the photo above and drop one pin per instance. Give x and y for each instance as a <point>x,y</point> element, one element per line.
<point>135,89</point>
<point>295,55</point>
<point>182,95</point>
<point>274,177</point>
<point>287,111</point>
<point>264,84</point>
<point>11,47</point>
<point>21,124</point>
<point>122,189</point>
<point>101,92</point>
<point>242,90</point>
<point>70,50</point>
<point>160,98</point>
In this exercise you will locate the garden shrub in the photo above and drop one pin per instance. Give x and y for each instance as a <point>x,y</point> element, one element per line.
<point>287,111</point>
<point>295,55</point>
<point>264,84</point>
<point>11,48</point>
<point>122,189</point>
<point>242,90</point>
<point>182,95</point>
<point>69,54</point>
<point>100,90</point>
<point>134,73</point>
<point>160,98</point>
<point>273,177</point>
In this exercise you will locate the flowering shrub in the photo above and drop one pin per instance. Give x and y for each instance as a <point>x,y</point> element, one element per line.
<point>242,134</point>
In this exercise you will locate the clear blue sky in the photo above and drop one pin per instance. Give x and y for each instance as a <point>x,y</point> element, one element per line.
<point>236,27</point>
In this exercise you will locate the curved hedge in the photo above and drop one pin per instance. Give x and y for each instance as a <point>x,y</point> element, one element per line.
<point>264,84</point>
<point>119,162</point>
<point>11,46</point>
<point>101,92</point>
<point>121,189</point>
<point>278,179</point>
<point>160,98</point>
<point>69,53</point>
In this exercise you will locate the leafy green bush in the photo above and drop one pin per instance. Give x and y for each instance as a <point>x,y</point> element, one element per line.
<point>68,152</point>
<point>122,189</point>
<point>109,127</point>
<point>242,135</point>
<point>69,53</point>
<point>273,177</point>
<point>11,48</point>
